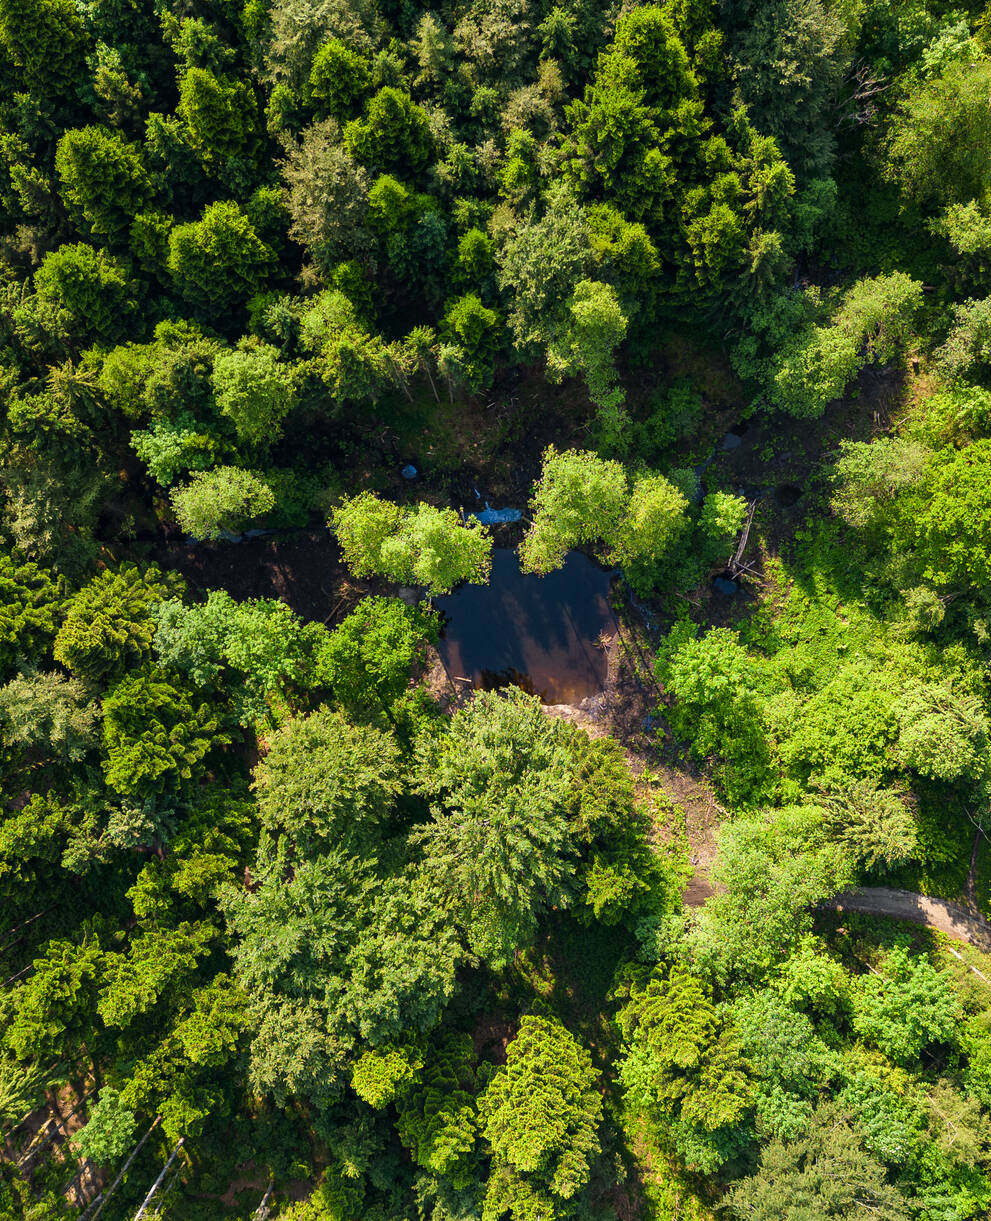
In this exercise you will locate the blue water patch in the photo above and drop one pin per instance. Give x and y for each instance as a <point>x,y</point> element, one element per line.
<point>495,517</point>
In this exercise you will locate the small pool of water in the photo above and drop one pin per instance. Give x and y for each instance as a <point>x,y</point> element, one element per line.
<point>538,633</point>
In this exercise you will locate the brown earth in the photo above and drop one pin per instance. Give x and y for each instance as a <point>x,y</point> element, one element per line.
<point>302,569</point>
<point>949,918</point>
<point>627,710</point>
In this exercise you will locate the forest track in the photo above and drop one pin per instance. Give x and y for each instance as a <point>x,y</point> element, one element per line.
<point>946,917</point>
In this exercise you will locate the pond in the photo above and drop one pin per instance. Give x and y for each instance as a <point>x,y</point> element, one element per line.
<point>539,633</point>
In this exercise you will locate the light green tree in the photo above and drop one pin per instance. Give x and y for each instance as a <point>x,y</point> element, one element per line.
<point>254,390</point>
<point>220,115</point>
<point>774,867</point>
<point>579,498</point>
<point>906,1006</point>
<point>362,524</point>
<point>222,500</point>
<point>501,845</point>
<point>655,518</point>
<point>393,136</point>
<point>425,545</point>
<point>595,326</point>
<point>368,658</point>
<point>683,1067</point>
<point>934,143</point>
<point>30,608</point>
<point>872,323</point>
<point>540,1114</point>
<point>339,80</point>
<point>474,329</point>
<point>155,736</point>
<point>108,1133</point>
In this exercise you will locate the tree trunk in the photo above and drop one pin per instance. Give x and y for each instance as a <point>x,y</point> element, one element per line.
<point>158,1182</point>
<point>104,1196</point>
<point>261,1212</point>
<point>426,369</point>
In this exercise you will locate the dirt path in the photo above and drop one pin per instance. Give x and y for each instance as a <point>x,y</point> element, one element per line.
<point>949,918</point>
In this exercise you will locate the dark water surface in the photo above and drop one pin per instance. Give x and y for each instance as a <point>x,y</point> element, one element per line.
<point>540,633</point>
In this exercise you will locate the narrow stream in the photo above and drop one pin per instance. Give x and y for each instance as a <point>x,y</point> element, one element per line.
<point>539,633</point>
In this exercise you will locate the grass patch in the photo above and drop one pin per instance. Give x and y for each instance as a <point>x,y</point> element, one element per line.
<point>668,1193</point>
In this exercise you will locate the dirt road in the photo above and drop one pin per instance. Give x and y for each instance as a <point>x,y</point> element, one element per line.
<point>949,918</point>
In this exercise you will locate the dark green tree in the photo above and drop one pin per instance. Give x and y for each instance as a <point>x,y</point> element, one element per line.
<point>393,136</point>
<point>31,601</point>
<point>102,181</point>
<point>326,782</point>
<point>47,43</point>
<point>826,1173</point>
<point>218,261</point>
<point>91,286</point>
<point>500,847</point>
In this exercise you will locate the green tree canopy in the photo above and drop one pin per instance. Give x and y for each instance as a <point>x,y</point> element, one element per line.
<point>31,601</point>
<point>578,499</point>
<point>108,1133</point>
<point>941,124</point>
<point>825,1173</point>
<point>109,624</point>
<point>393,136</point>
<point>103,181</point>
<point>540,1114</point>
<point>218,261</point>
<point>326,782</point>
<point>155,736</point>
<point>221,501</point>
<point>501,842</point>
<point>422,546</point>
<point>368,658</point>
<point>93,288</point>
<point>254,390</point>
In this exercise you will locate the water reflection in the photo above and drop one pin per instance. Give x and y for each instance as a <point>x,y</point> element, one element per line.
<point>538,633</point>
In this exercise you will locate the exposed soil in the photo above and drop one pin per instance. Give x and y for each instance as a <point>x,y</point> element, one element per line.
<point>45,1133</point>
<point>950,918</point>
<point>303,569</point>
<point>491,1037</point>
<point>692,792</point>
<point>256,1181</point>
<point>627,710</point>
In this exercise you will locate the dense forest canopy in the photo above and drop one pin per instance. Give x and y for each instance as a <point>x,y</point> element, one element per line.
<point>294,925</point>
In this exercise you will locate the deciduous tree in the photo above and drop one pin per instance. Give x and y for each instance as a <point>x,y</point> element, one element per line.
<point>222,500</point>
